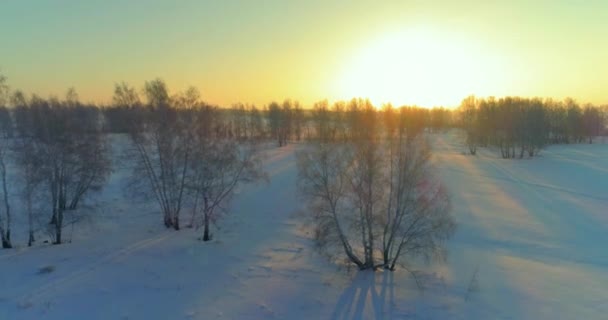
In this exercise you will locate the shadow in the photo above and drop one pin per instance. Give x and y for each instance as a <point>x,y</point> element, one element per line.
<point>365,298</point>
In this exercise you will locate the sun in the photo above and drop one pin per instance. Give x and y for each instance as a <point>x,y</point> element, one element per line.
<point>415,66</point>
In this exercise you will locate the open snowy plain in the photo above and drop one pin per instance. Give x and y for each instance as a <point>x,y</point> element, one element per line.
<point>530,244</point>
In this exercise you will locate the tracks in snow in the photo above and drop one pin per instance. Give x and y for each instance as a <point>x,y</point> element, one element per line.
<point>40,294</point>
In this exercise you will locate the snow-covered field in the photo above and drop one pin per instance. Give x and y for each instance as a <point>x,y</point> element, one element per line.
<point>531,243</point>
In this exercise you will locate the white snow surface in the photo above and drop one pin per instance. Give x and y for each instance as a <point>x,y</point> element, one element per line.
<point>535,230</point>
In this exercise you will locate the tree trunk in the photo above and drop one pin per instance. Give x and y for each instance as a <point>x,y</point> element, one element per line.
<point>206,234</point>
<point>176,223</point>
<point>74,204</point>
<point>6,239</point>
<point>167,221</point>
<point>30,219</point>
<point>59,226</point>
<point>31,239</point>
<point>54,197</point>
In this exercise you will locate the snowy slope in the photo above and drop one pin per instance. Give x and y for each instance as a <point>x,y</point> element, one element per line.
<point>536,228</point>
<point>535,231</point>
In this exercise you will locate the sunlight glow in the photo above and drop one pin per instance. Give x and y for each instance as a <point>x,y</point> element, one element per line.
<point>417,67</point>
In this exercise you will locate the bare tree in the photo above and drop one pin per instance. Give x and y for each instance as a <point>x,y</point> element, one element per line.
<point>29,164</point>
<point>125,95</point>
<point>298,120</point>
<point>417,220</point>
<point>338,121</point>
<point>6,122</point>
<point>276,123</point>
<point>374,199</point>
<point>321,118</point>
<point>126,113</point>
<point>219,166</point>
<point>592,122</point>
<point>390,120</point>
<point>322,181</point>
<point>5,217</point>
<point>238,121</point>
<point>4,90</point>
<point>64,141</point>
<point>31,182</point>
<point>255,122</point>
<point>162,152</point>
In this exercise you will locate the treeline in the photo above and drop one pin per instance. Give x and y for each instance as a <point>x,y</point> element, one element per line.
<point>282,122</point>
<point>346,119</point>
<point>523,126</point>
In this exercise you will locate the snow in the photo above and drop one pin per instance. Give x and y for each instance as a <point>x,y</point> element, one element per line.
<point>535,231</point>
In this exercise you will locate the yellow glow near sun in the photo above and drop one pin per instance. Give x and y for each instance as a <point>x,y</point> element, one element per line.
<point>417,66</point>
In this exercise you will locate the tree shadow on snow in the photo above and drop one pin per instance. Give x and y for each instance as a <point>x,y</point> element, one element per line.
<point>366,292</point>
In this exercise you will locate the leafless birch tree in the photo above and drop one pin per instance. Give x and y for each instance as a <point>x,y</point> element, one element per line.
<point>218,167</point>
<point>373,198</point>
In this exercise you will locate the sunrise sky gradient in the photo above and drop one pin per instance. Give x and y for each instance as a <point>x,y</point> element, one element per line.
<point>407,52</point>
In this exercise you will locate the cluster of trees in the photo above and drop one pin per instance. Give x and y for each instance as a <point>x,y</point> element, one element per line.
<point>55,152</point>
<point>340,122</point>
<point>368,182</point>
<point>60,155</point>
<point>185,154</point>
<point>285,121</point>
<point>523,126</point>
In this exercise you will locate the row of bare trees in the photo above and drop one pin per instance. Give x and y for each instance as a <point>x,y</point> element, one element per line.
<point>283,122</point>
<point>520,126</point>
<point>347,119</point>
<point>182,151</point>
<point>372,196</point>
<point>279,122</point>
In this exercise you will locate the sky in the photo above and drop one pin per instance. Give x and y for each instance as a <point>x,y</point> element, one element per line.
<point>427,53</point>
